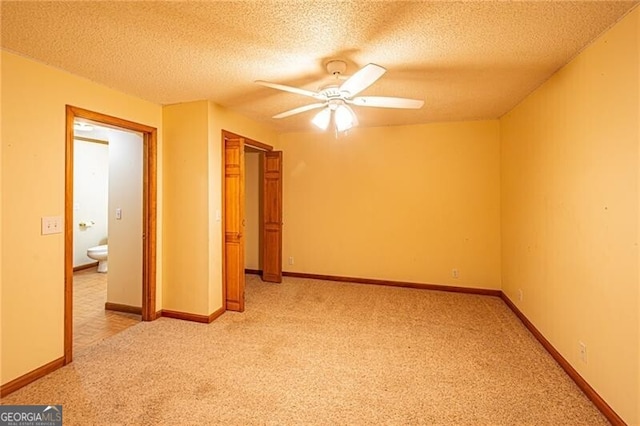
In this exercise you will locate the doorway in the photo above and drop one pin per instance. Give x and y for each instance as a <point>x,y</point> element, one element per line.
<point>107,250</point>
<point>254,228</point>
<point>145,216</point>
<point>233,235</point>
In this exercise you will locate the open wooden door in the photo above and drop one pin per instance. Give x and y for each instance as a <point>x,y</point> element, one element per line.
<point>234,223</point>
<point>272,217</point>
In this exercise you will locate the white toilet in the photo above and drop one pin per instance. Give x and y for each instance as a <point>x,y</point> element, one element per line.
<point>99,253</point>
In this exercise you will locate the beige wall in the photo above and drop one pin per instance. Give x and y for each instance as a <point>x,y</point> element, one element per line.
<point>570,213</point>
<point>253,207</point>
<point>398,203</point>
<point>125,234</point>
<point>33,164</point>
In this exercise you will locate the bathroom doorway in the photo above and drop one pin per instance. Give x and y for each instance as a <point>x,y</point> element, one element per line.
<point>110,205</point>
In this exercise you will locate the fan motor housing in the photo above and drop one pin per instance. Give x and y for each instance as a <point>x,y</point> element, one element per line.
<point>332,92</point>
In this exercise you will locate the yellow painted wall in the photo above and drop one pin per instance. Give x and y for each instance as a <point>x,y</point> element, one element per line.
<point>253,207</point>
<point>33,164</point>
<point>186,204</point>
<point>193,201</point>
<point>398,203</point>
<point>637,18</point>
<point>570,212</point>
<point>1,209</point>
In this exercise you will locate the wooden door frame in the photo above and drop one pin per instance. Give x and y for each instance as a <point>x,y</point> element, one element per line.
<point>149,212</point>
<point>226,135</point>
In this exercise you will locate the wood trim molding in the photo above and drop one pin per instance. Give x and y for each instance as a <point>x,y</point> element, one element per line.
<point>68,236</point>
<point>216,314</point>
<point>597,400</point>
<point>422,286</point>
<point>85,266</point>
<point>253,271</point>
<point>31,377</point>
<point>149,215</point>
<point>185,316</point>
<point>109,120</point>
<point>123,308</point>
<point>250,142</point>
<point>150,207</point>
<point>223,218</point>
<point>205,319</point>
<point>232,306</point>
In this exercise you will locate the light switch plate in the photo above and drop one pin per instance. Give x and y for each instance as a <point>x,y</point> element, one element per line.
<point>51,225</point>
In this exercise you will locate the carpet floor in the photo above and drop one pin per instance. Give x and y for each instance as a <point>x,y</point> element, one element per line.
<point>317,352</point>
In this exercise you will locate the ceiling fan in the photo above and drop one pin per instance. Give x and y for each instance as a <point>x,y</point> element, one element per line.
<point>337,98</point>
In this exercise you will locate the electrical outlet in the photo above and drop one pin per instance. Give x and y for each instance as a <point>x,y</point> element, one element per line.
<point>455,273</point>
<point>291,260</point>
<point>582,351</point>
<point>520,295</point>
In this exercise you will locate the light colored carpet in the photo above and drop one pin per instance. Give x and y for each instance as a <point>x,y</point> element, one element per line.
<point>317,352</point>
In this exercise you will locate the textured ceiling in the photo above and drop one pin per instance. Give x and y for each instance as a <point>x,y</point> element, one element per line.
<point>467,60</point>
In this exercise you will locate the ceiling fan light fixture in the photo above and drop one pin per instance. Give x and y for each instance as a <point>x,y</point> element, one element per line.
<point>334,99</point>
<point>321,119</point>
<point>344,118</point>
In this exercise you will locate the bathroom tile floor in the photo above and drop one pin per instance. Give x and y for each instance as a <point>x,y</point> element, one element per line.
<point>91,322</point>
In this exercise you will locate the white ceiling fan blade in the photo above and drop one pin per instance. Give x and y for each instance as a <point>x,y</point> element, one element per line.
<point>299,110</point>
<point>362,79</point>
<point>290,89</point>
<point>387,102</point>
